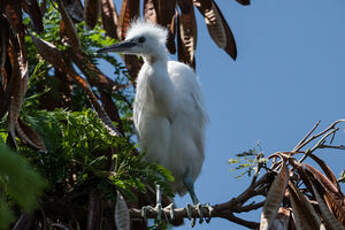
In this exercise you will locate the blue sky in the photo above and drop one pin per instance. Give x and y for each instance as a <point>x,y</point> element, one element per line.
<point>289,74</point>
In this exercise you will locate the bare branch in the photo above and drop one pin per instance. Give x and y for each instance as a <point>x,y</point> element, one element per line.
<point>332,126</point>
<point>318,144</point>
<point>182,213</point>
<point>305,138</point>
<point>341,147</point>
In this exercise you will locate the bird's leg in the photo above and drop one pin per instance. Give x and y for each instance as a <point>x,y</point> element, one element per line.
<point>157,208</point>
<point>188,182</point>
<point>145,210</point>
<point>158,202</point>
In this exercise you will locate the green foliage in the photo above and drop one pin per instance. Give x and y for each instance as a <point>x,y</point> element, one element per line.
<point>19,184</point>
<point>248,162</point>
<point>80,150</point>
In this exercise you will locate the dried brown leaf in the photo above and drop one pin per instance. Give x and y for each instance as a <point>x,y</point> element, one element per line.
<point>74,9</point>
<point>59,60</point>
<point>18,83</point>
<point>231,44</point>
<point>187,33</point>
<point>166,16</point>
<point>111,109</point>
<point>91,12</point>
<point>109,18</point>
<point>150,13</point>
<point>304,214</point>
<point>214,22</point>
<point>4,38</point>
<point>333,196</point>
<point>244,2</point>
<point>121,216</point>
<point>171,35</point>
<point>50,53</point>
<point>14,16</point>
<point>336,204</point>
<point>328,172</point>
<point>68,31</point>
<point>322,179</point>
<point>129,11</point>
<point>329,218</point>
<point>60,94</point>
<point>32,8</point>
<point>98,107</point>
<point>94,216</point>
<point>165,11</point>
<point>94,76</point>
<point>29,136</point>
<point>282,221</point>
<point>274,197</point>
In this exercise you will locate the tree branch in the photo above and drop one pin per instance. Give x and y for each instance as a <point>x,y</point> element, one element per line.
<point>306,141</point>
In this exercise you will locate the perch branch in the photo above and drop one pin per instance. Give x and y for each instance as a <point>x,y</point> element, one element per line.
<point>258,185</point>
<point>224,210</point>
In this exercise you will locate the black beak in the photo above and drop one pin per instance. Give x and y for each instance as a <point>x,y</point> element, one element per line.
<point>118,47</point>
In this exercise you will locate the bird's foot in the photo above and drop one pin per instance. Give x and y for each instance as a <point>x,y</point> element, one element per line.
<point>208,214</point>
<point>158,207</point>
<point>200,208</point>
<point>171,208</point>
<point>145,210</point>
<point>189,210</point>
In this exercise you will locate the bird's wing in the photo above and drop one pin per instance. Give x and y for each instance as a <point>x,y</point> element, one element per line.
<point>188,91</point>
<point>190,118</point>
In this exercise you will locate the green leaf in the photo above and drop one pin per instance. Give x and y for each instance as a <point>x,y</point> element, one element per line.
<point>20,182</point>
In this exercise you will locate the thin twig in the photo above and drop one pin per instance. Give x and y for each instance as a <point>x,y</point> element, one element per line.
<point>341,147</point>
<point>318,144</point>
<point>305,138</point>
<point>250,207</point>
<point>332,126</point>
<point>249,224</point>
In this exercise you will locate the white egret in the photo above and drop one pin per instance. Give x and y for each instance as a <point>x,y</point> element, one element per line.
<point>169,114</point>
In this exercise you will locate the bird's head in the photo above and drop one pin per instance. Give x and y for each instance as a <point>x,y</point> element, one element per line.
<point>143,38</point>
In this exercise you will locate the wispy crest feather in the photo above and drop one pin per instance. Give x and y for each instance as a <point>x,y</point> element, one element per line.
<point>155,31</point>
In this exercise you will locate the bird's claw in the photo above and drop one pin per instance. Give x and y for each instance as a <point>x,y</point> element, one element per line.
<point>202,214</point>
<point>145,210</point>
<point>171,208</point>
<point>189,210</point>
<point>198,207</point>
<point>210,212</point>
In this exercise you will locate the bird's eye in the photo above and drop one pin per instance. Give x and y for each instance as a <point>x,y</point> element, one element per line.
<point>141,39</point>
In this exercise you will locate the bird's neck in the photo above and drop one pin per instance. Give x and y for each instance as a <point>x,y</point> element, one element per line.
<point>160,56</point>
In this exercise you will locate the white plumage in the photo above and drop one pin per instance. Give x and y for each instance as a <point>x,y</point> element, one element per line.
<point>169,115</point>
